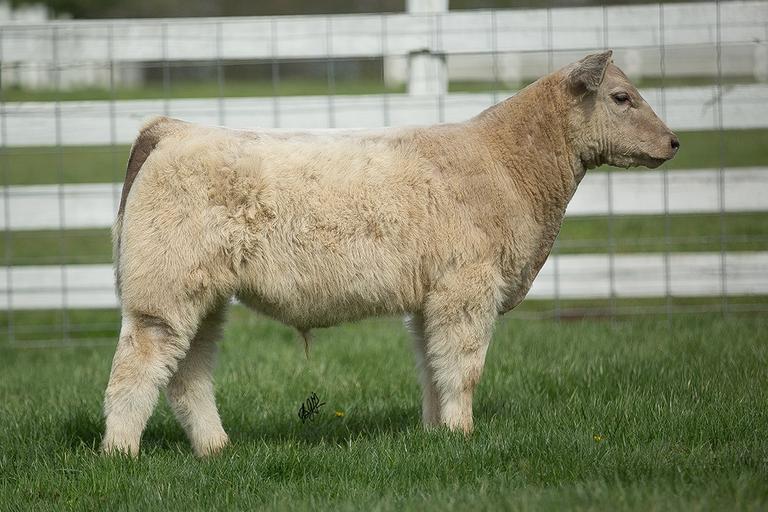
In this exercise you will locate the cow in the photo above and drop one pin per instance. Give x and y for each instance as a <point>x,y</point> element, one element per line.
<point>447,225</point>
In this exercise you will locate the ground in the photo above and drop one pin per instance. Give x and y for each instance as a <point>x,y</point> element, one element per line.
<point>635,414</point>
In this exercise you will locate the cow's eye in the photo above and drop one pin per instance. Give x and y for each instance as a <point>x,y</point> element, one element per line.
<point>621,98</point>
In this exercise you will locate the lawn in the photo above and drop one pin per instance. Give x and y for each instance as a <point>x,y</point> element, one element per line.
<point>305,86</point>
<point>98,164</point>
<point>638,414</point>
<point>208,89</point>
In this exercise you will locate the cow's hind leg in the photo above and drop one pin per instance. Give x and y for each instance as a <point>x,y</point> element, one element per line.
<point>147,354</point>
<point>190,390</point>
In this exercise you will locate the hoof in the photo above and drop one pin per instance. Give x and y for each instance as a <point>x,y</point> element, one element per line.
<point>212,446</point>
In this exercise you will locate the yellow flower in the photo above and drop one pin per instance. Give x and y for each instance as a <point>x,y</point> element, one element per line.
<point>597,438</point>
<point>339,414</point>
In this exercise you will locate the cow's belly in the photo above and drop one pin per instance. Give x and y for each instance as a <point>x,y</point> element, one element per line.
<point>307,284</point>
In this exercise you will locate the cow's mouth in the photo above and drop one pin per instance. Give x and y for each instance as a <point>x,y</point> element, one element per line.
<point>653,162</point>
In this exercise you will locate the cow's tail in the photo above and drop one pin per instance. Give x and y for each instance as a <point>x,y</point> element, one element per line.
<point>147,140</point>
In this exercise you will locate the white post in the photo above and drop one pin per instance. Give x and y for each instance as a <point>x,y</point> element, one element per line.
<point>427,73</point>
<point>760,68</point>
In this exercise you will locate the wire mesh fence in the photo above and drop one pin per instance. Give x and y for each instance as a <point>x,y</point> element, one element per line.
<point>691,236</point>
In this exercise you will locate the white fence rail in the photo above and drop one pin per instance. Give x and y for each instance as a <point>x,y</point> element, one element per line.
<point>416,43</point>
<point>364,35</point>
<point>39,207</point>
<point>104,122</point>
<point>578,276</point>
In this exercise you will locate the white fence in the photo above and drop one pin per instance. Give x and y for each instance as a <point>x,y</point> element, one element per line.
<point>59,51</point>
<point>116,122</point>
<point>668,40</point>
<point>572,276</point>
<point>366,35</point>
<point>87,206</point>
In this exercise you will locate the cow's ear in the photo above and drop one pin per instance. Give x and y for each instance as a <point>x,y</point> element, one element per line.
<point>587,74</point>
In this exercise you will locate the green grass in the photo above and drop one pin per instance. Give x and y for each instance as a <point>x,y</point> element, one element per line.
<point>48,247</point>
<point>71,327</point>
<point>655,233</point>
<point>72,164</point>
<point>95,164</point>
<point>578,309</point>
<point>579,235</point>
<point>299,87</point>
<point>207,89</point>
<point>58,327</point>
<point>710,149</point>
<point>682,81</point>
<point>679,410</point>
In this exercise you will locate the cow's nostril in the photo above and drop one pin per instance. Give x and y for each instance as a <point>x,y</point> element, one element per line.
<point>675,143</point>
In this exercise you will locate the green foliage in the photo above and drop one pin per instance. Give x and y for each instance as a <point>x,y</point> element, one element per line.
<point>629,415</point>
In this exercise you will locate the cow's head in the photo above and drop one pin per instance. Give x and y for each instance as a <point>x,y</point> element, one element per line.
<point>612,124</point>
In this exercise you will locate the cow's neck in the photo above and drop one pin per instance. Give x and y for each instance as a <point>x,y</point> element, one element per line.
<point>532,142</point>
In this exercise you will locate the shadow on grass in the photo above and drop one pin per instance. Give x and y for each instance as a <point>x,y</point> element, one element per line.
<point>327,427</point>
<point>84,429</point>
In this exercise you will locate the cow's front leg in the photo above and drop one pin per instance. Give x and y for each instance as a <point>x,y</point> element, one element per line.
<point>458,324</point>
<point>430,400</point>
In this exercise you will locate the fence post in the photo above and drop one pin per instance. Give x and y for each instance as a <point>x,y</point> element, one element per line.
<point>427,73</point>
